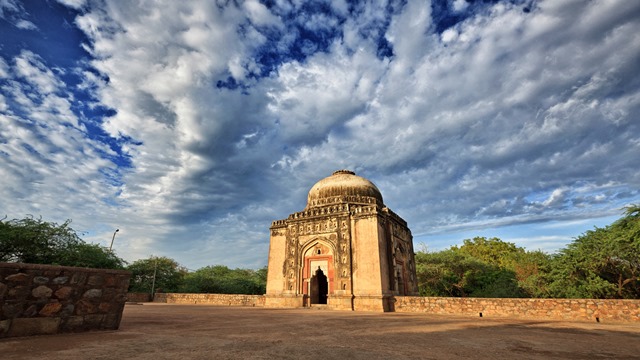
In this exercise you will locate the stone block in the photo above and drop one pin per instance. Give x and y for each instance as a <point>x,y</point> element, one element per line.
<point>67,310</point>
<point>31,311</point>
<point>92,293</point>
<point>64,292</point>
<point>104,307</point>
<point>78,278</point>
<point>40,280</point>
<point>110,280</point>
<point>4,327</point>
<point>18,278</point>
<point>95,280</point>
<point>34,326</point>
<point>111,321</point>
<point>93,321</point>
<point>72,324</point>
<point>19,292</point>
<point>12,310</point>
<point>85,307</point>
<point>60,280</point>
<point>3,290</point>
<point>42,292</point>
<point>51,309</point>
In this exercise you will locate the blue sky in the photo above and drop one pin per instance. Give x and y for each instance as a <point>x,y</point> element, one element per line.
<point>190,126</point>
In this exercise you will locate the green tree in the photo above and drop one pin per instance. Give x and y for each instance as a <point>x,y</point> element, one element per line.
<point>447,273</point>
<point>492,251</point>
<point>35,241</point>
<point>601,263</point>
<point>222,280</point>
<point>163,274</point>
<point>528,267</point>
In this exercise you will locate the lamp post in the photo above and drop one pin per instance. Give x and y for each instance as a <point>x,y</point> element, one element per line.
<point>113,238</point>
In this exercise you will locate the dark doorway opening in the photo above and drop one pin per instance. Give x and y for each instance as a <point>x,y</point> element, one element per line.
<point>319,287</point>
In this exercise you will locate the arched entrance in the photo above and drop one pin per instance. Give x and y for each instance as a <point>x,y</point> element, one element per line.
<point>319,287</point>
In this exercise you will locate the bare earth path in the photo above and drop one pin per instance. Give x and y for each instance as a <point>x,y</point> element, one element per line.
<point>153,331</point>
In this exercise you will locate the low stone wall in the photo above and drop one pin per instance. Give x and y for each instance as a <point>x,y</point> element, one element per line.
<point>138,297</point>
<point>43,299</point>
<point>558,309</point>
<point>210,299</point>
<point>553,309</point>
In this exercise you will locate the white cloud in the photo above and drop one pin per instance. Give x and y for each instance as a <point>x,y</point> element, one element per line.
<point>74,4</point>
<point>228,116</point>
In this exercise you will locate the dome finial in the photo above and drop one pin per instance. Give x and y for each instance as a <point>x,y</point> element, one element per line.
<point>343,171</point>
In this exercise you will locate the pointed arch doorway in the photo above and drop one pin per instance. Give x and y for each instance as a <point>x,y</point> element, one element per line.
<point>319,287</point>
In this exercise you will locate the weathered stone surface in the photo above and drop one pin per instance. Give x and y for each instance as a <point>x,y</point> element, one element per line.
<point>79,278</point>
<point>60,280</point>
<point>94,320</point>
<point>20,278</point>
<point>40,280</point>
<point>42,292</point>
<point>31,311</point>
<point>67,310</point>
<point>73,323</point>
<point>93,293</point>
<point>11,310</point>
<point>95,280</point>
<point>105,307</point>
<point>64,292</point>
<point>3,290</point>
<point>85,307</point>
<point>4,326</point>
<point>110,280</point>
<point>19,292</point>
<point>51,309</point>
<point>34,326</point>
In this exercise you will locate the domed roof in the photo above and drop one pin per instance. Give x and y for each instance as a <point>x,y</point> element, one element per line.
<point>342,183</point>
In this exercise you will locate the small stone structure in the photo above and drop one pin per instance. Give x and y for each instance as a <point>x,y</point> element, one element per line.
<point>44,299</point>
<point>346,250</point>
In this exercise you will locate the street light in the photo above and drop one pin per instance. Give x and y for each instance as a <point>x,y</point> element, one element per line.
<point>113,238</point>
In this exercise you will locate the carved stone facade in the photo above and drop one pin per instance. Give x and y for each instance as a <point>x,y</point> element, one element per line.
<point>346,249</point>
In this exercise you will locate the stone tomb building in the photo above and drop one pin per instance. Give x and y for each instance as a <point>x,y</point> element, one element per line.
<point>345,250</point>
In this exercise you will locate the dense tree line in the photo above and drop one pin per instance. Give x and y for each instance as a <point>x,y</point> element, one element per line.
<point>601,263</point>
<point>162,274</point>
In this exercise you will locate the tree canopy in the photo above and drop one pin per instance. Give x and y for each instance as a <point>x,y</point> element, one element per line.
<point>160,274</point>
<point>601,263</point>
<point>32,240</point>
<point>220,279</point>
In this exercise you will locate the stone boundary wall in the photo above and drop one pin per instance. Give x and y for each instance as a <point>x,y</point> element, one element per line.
<point>138,297</point>
<point>557,309</point>
<point>210,299</point>
<point>44,299</point>
<point>552,309</point>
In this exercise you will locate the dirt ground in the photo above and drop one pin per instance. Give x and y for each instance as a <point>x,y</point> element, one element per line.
<point>161,331</point>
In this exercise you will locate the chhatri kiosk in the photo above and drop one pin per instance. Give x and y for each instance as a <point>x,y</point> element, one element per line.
<point>345,250</point>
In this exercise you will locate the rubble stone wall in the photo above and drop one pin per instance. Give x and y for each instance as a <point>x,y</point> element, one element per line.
<point>138,297</point>
<point>210,299</point>
<point>44,299</point>
<point>552,309</point>
<point>558,309</point>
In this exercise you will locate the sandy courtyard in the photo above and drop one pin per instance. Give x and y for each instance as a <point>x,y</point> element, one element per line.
<point>154,331</point>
